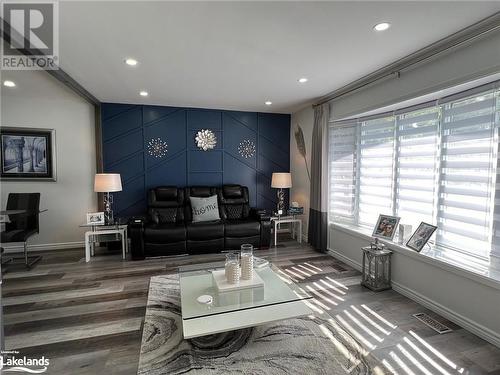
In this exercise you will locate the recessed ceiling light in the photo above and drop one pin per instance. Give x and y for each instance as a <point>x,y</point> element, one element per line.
<point>131,62</point>
<point>303,80</point>
<point>381,26</point>
<point>143,93</point>
<point>9,84</point>
<point>268,102</point>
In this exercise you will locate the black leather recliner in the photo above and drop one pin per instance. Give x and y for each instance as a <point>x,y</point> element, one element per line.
<point>168,228</point>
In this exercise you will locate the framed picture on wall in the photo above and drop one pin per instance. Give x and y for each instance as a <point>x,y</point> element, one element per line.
<point>421,236</point>
<point>386,227</point>
<point>27,154</point>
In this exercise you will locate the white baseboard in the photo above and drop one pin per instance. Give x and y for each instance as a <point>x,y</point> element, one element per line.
<point>343,258</point>
<point>470,325</point>
<point>42,247</point>
<point>464,322</point>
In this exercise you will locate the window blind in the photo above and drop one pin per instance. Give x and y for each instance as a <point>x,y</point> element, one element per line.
<point>435,163</point>
<point>376,169</point>
<point>468,173</point>
<point>343,165</point>
<point>417,158</point>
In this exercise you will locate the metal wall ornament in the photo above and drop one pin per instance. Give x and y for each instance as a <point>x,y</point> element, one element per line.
<point>246,148</point>
<point>206,140</point>
<point>157,148</point>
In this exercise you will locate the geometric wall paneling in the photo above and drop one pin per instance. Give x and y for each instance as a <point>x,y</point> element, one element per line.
<point>111,110</point>
<point>276,128</point>
<point>266,196</point>
<point>205,179</point>
<point>119,148</point>
<point>152,113</point>
<point>268,167</point>
<point>268,150</point>
<point>128,168</point>
<point>122,123</point>
<point>209,161</point>
<point>169,172</point>
<point>264,187</point>
<point>130,128</point>
<point>265,203</point>
<point>171,129</point>
<point>238,172</point>
<point>132,193</point>
<point>249,119</point>
<point>234,134</point>
<point>136,209</point>
<point>204,119</point>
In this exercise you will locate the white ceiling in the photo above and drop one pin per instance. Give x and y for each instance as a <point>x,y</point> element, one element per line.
<point>236,55</point>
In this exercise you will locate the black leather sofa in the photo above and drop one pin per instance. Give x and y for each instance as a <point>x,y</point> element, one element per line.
<point>168,229</point>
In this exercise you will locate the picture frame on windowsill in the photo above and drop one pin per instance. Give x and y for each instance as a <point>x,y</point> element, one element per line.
<point>421,236</point>
<point>386,227</point>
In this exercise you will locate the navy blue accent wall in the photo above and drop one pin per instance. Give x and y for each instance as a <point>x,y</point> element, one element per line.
<point>127,129</point>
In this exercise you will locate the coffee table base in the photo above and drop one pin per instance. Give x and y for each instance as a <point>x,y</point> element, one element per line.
<point>230,321</point>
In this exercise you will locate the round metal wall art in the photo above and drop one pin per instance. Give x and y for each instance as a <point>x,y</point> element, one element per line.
<point>157,147</point>
<point>206,139</point>
<point>246,148</point>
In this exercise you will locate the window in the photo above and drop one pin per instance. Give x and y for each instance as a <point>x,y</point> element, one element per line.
<point>435,163</point>
<point>342,145</point>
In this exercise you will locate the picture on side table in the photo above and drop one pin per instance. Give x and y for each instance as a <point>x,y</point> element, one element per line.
<point>418,239</point>
<point>27,153</point>
<point>386,227</point>
<point>95,218</point>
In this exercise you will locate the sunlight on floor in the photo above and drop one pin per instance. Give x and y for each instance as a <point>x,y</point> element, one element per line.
<point>359,329</point>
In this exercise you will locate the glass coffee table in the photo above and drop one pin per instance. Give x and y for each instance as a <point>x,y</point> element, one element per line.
<point>279,299</point>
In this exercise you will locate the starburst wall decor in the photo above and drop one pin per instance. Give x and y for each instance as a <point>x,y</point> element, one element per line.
<point>206,139</point>
<point>246,148</point>
<point>157,148</point>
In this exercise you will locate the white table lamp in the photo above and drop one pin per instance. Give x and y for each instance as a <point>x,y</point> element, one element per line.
<point>107,183</point>
<point>281,181</point>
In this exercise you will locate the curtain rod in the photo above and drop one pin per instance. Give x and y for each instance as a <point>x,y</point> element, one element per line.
<point>453,41</point>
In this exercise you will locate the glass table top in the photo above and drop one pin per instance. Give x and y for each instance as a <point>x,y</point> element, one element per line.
<point>197,280</point>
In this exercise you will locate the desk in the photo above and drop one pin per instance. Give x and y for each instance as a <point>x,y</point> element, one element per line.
<point>277,221</point>
<point>97,230</point>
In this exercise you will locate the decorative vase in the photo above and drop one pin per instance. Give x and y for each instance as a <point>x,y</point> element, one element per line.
<point>232,268</point>
<point>246,262</point>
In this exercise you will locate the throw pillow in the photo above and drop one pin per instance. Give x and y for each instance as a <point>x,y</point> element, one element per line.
<point>205,209</point>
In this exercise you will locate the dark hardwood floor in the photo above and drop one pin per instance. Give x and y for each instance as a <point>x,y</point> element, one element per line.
<point>87,317</point>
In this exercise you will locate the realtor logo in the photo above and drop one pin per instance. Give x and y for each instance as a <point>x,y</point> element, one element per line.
<point>30,35</point>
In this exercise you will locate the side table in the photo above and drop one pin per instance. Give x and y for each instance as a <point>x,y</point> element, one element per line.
<point>97,230</point>
<point>277,221</point>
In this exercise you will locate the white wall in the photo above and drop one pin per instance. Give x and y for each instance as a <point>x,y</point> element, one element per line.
<point>300,180</point>
<point>471,62</point>
<point>471,302</point>
<point>40,101</point>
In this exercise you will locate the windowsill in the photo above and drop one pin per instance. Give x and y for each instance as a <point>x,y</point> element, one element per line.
<point>447,259</point>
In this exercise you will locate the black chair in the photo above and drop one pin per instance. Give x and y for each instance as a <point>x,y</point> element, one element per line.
<point>23,225</point>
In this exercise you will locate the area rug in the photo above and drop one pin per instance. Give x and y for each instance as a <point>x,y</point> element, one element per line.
<point>308,345</point>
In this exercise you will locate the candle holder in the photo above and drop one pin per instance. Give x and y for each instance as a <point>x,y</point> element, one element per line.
<point>246,262</point>
<point>232,268</point>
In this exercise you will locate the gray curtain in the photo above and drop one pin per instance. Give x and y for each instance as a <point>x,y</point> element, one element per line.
<point>318,212</point>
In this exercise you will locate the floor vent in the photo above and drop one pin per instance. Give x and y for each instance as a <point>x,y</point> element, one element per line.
<point>432,323</point>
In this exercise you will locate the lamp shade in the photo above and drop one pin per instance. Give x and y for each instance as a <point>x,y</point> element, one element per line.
<point>107,182</point>
<point>281,180</point>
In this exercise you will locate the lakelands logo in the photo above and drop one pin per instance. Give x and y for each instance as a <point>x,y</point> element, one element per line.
<point>9,362</point>
<point>30,35</point>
